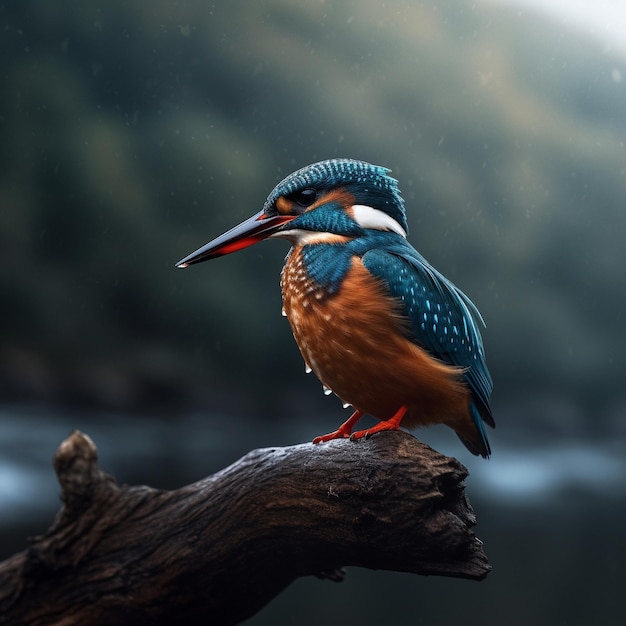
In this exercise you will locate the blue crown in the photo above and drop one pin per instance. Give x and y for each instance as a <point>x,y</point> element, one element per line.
<point>369,184</point>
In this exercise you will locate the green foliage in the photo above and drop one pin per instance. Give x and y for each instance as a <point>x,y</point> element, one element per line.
<point>133,132</point>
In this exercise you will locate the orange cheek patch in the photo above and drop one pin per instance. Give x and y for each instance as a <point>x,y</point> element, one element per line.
<point>338,196</point>
<point>283,206</point>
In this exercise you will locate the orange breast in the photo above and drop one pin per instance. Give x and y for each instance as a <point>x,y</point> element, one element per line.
<point>353,341</point>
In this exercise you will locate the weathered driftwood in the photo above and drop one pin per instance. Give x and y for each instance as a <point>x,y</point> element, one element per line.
<point>218,550</point>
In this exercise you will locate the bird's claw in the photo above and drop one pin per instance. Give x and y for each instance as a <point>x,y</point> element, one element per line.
<point>336,434</point>
<point>360,434</point>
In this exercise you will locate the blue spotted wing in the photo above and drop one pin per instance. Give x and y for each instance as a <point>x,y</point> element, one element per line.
<point>443,320</point>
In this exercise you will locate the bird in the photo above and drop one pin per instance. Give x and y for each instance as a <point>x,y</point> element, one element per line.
<point>380,327</point>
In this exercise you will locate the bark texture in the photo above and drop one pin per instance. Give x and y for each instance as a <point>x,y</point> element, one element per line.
<point>216,551</point>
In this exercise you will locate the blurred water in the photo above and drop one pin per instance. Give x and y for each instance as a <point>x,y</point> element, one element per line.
<point>552,517</point>
<point>194,445</point>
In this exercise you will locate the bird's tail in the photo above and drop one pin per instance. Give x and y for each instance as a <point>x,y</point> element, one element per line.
<point>476,442</point>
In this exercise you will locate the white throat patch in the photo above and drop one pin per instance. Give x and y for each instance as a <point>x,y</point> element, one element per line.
<point>300,237</point>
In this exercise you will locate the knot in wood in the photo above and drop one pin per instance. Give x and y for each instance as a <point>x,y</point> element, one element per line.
<point>76,466</point>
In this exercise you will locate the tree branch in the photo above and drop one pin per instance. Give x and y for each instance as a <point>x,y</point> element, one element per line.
<point>218,550</point>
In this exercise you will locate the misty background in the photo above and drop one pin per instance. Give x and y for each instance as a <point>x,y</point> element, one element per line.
<point>131,133</point>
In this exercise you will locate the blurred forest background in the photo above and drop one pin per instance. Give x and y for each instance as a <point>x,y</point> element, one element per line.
<point>133,132</point>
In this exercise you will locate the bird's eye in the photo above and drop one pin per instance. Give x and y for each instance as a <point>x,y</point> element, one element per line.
<point>305,198</point>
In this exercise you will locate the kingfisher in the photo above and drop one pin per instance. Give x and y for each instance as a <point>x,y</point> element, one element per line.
<point>379,325</point>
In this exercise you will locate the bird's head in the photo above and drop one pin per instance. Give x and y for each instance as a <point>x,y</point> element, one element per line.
<point>335,200</point>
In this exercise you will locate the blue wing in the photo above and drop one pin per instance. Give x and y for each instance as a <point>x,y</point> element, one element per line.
<point>443,320</point>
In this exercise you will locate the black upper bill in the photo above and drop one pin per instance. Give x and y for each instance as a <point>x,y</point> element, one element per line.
<point>249,232</point>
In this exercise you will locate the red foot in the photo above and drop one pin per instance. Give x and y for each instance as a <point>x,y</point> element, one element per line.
<point>393,423</point>
<point>343,432</point>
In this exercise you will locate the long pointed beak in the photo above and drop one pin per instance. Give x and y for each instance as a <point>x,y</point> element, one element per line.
<point>249,232</point>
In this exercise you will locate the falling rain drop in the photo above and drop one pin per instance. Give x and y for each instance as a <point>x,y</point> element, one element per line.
<point>326,390</point>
